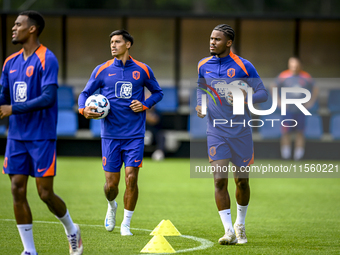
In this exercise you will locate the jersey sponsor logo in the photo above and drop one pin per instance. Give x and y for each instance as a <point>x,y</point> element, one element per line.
<point>220,87</point>
<point>12,71</point>
<point>212,151</point>
<point>6,162</point>
<point>29,71</point>
<point>231,72</point>
<point>20,91</point>
<point>41,170</point>
<point>104,161</point>
<point>136,75</point>
<point>111,74</point>
<point>123,89</point>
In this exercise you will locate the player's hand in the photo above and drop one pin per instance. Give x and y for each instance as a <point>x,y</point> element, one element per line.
<point>5,111</point>
<point>199,111</point>
<point>89,114</point>
<point>136,106</point>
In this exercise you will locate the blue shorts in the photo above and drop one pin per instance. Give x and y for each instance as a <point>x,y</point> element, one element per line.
<point>35,158</point>
<point>239,150</point>
<point>299,117</point>
<point>117,151</point>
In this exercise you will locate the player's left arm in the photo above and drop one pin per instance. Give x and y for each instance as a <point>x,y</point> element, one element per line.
<point>46,100</point>
<point>260,92</point>
<point>156,94</point>
<point>48,97</point>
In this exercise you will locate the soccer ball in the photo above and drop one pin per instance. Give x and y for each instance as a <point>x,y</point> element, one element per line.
<point>239,84</point>
<point>101,102</point>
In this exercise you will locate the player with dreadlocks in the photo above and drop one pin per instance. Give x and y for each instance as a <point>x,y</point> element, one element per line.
<point>228,142</point>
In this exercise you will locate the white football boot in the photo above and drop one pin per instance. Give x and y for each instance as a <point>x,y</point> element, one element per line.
<point>110,219</point>
<point>228,238</point>
<point>125,230</point>
<point>75,242</point>
<point>240,231</point>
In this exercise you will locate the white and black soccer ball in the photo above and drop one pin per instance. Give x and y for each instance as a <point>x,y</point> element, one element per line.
<point>239,84</point>
<point>101,102</point>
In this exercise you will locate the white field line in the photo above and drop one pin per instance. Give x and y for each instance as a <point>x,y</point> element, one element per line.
<point>205,244</point>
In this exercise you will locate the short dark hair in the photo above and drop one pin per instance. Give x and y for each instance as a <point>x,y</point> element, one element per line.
<point>227,30</point>
<point>124,33</point>
<point>35,19</point>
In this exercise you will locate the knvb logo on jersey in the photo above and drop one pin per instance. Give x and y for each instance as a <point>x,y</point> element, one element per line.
<point>20,91</point>
<point>123,89</point>
<point>231,72</point>
<point>136,75</point>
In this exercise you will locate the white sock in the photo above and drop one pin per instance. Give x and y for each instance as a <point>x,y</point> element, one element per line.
<point>68,224</point>
<point>241,214</point>
<point>127,217</point>
<point>286,151</point>
<point>112,204</point>
<point>298,153</point>
<point>226,219</point>
<point>26,234</point>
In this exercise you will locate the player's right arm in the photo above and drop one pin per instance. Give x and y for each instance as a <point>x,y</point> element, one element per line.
<point>92,85</point>
<point>5,97</point>
<point>5,107</point>
<point>200,92</point>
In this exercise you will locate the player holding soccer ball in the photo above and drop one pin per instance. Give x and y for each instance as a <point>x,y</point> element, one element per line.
<point>29,98</point>
<point>121,80</point>
<point>227,143</point>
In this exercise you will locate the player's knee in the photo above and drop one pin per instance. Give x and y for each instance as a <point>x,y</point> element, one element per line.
<point>220,183</point>
<point>111,186</point>
<point>18,192</point>
<point>242,183</point>
<point>45,195</point>
<point>131,180</point>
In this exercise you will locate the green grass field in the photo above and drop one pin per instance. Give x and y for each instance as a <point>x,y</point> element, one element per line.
<point>285,216</point>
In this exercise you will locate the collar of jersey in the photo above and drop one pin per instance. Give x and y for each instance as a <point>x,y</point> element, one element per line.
<point>225,59</point>
<point>119,63</point>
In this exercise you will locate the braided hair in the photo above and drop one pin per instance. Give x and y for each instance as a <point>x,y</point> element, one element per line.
<point>227,31</point>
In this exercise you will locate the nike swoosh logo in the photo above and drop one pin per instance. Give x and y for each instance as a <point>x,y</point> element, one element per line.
<point>28,229</point>
<point>12,71</point>
<point>245,160</point>
<point>111,74</point>
<point>208,71</point>
<point>137,160</point>
<point>41,170</point>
